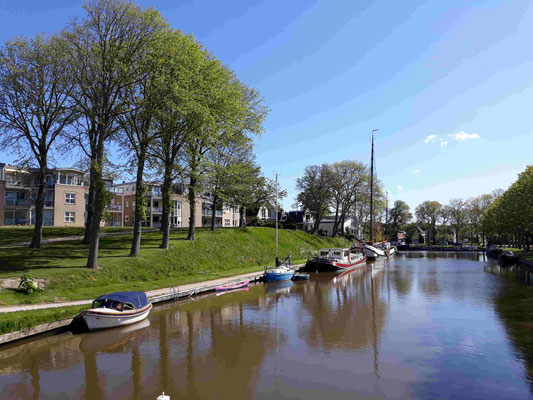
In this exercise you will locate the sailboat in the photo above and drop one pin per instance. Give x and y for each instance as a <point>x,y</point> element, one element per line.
<point>374,250</point>
<point>283,270</point>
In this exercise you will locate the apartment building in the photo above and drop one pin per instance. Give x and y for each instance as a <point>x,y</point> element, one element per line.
<point>66,201</point>
<point>122,208</point>
<point>65,197</point>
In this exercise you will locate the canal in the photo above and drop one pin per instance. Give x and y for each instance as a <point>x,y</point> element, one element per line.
<point>421,326</point>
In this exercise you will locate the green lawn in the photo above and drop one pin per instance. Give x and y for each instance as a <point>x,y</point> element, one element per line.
<point>224,252</point>
<point>17,321</point>
<point>17,234</point>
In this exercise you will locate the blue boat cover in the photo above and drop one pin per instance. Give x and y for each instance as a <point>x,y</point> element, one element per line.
<point>138,299</point>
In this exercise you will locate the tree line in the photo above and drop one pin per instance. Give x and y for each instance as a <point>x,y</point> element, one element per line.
<point>121,74</point>
<point>340,190</point>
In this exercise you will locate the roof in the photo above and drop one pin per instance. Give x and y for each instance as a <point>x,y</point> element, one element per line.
<point>138,299</point>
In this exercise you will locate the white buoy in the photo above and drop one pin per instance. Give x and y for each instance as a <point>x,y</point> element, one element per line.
<point>163,397</point>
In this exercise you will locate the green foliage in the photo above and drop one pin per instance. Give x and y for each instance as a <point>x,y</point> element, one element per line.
<point>512,212</point>
<point>27,284</point>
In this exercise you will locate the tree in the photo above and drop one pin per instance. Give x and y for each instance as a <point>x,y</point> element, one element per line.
<point>427,215</point>
<point>35,106</point>
<point>106,51</point>
<point>348,178</point>
<point>225,107</point>
<point>173,122</point>
<point>144,99</point>
<point>457,212</point>
<point>315,191</point>
<point>399,216</point>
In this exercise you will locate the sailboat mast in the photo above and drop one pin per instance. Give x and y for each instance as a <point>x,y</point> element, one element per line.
<point>372,186</point>
<point>276,219</point>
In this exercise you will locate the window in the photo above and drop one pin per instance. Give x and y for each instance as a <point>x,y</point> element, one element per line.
<point>127,203</point>
<point>263,213</point>
<point>69,216</point>
<point>70,198</point>
<point>127,218</point>
<point>226,222</point>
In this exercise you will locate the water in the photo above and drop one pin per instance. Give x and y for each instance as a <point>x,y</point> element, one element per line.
<point>420,326</point>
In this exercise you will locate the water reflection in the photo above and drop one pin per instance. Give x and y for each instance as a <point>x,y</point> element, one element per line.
<point>419,326</point>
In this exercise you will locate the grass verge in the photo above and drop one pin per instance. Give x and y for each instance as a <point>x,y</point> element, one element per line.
<point>222,253</point>
<point>16,321</point>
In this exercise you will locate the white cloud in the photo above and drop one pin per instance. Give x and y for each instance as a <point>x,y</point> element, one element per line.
<point>463,136</point>
<point>430,138</point>
<point>444,143</point>
<point>416,171</point>
<point>400,187</point>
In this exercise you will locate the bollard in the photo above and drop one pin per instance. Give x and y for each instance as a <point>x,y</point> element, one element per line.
<point>163,397</point>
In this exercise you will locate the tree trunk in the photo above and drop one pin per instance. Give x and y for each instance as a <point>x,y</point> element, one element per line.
<point>192,208</point>
<point>98,208</point>
<point>213,212</point>
<point>242,216</point>
<point>90,206</point>
<point>39,206</point>
<point>167,205</point>
<point>139,205</point>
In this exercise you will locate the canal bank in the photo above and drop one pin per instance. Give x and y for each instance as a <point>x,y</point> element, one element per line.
<point>157,296</point>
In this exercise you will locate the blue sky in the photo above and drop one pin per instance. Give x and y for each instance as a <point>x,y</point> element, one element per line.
<point>448,83</point>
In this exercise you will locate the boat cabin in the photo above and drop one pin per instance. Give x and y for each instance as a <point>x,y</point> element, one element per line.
<point>121,301</point>
<point>337,254</point>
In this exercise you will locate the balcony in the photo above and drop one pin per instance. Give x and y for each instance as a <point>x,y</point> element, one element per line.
<point>114,207</point>
<point>209,213</point>
<point>155,210</point>
<point>18,202</point>
<point>155,193</point>
<point>18,183</point>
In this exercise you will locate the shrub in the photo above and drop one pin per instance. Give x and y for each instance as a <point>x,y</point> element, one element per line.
<point>27,284</point>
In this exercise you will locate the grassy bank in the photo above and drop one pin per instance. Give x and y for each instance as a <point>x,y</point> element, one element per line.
<point>16,321</point>
<point>18,234</point>
<point>224,252</point>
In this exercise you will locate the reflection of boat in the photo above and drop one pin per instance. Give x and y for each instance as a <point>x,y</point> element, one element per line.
<point>233,285</point>
<point>102,340</point>
<point>335,259</point>
<point>244,289</point>
<point>117,309</point>
<point>280,286</point>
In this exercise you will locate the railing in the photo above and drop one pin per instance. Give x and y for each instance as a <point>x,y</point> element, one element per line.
<point>13,183</point>
<point>158,210</point>
<point>209,213</point>
<point>114,207</point>
<point>17,202</point>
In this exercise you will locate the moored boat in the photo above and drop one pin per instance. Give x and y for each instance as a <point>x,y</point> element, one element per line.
<point>282,272</point>
<point>117,309</point>
<point>379,250</point>
<point>233,285</point>
<point>335,259</point>
<point>300,277</point>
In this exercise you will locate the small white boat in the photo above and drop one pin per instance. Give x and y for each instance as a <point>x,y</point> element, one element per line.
<point>117,309</point>
<point>379,250</point>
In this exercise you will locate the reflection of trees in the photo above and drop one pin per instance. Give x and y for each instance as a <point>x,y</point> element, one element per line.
<point>430,284</point>
<point>514,305</point>
<point>402,280</point>
<point>343,312</point>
